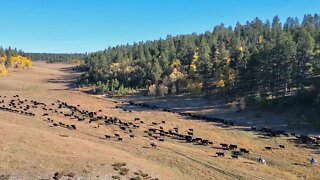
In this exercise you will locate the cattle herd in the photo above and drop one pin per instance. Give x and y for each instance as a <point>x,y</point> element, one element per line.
<point>155,132</point>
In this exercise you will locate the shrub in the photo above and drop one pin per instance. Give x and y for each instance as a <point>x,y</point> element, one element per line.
<point>3,70</point>
<point>258,98</point>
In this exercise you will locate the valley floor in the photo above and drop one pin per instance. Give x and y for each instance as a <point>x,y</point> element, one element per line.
<point>33,148</point>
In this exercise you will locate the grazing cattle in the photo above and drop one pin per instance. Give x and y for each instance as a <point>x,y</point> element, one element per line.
<point>220,154</point>
<point>45,114</point>
<point>119,138</point>
<point>162,133</point>
<point>243,150</point>
<point>204,142</point>
<point>152,130</point>
<point>268,148</point>
<point>188,138</point>
<point>224,146</point>
<point>73,126</point>
<point>234,156</point>
<point>163,122</point>
<point>161,139</point>
<point>153,145</point>
<point>281,146</point>
<point>116,135</point>
<point>181,136</point>
<point>198,139</point>
<point>132,135</point>
<point>190,133</point>
<point>238,153</point>
<point>107,136</point>
<point>233,146</point>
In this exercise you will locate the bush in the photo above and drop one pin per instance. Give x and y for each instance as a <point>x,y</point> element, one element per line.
<point>258,98</point>
<point>3,70</point>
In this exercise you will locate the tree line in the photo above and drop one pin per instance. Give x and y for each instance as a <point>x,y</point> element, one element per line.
<point>57,57</point>
<point>263,59</point>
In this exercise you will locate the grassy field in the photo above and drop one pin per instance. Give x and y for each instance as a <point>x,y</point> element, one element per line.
<point>32,148</point>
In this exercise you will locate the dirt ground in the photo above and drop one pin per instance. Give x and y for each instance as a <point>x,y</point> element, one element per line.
<point>32,148</point>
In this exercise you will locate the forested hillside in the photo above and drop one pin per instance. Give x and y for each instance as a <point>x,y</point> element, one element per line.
<point>13,58</point>
<point>263,59</point>
<point>55,57</point>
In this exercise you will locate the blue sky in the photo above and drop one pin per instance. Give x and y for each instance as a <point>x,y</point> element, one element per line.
<point>90,25</point>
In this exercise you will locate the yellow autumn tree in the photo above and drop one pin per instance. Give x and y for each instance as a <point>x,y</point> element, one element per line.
<point>25,62</point>
<point>220,84</point>
<point>20,61</point>
<point>176,63</point>
<point>228,60</point>
<point>260,39</point>
<point>3,70</point>
<point>3,59</point>
<point>176,75</point>
<point>15,60</point>
<point>193,66</point>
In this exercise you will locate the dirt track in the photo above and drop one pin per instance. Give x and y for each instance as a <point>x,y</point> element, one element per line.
<point>30,148</point>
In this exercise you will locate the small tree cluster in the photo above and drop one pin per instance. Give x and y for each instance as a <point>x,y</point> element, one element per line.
<point>12,58</point>
<point>158,90</point>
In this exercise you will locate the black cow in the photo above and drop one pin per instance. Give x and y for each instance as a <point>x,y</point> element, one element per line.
<point>220,154</point>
